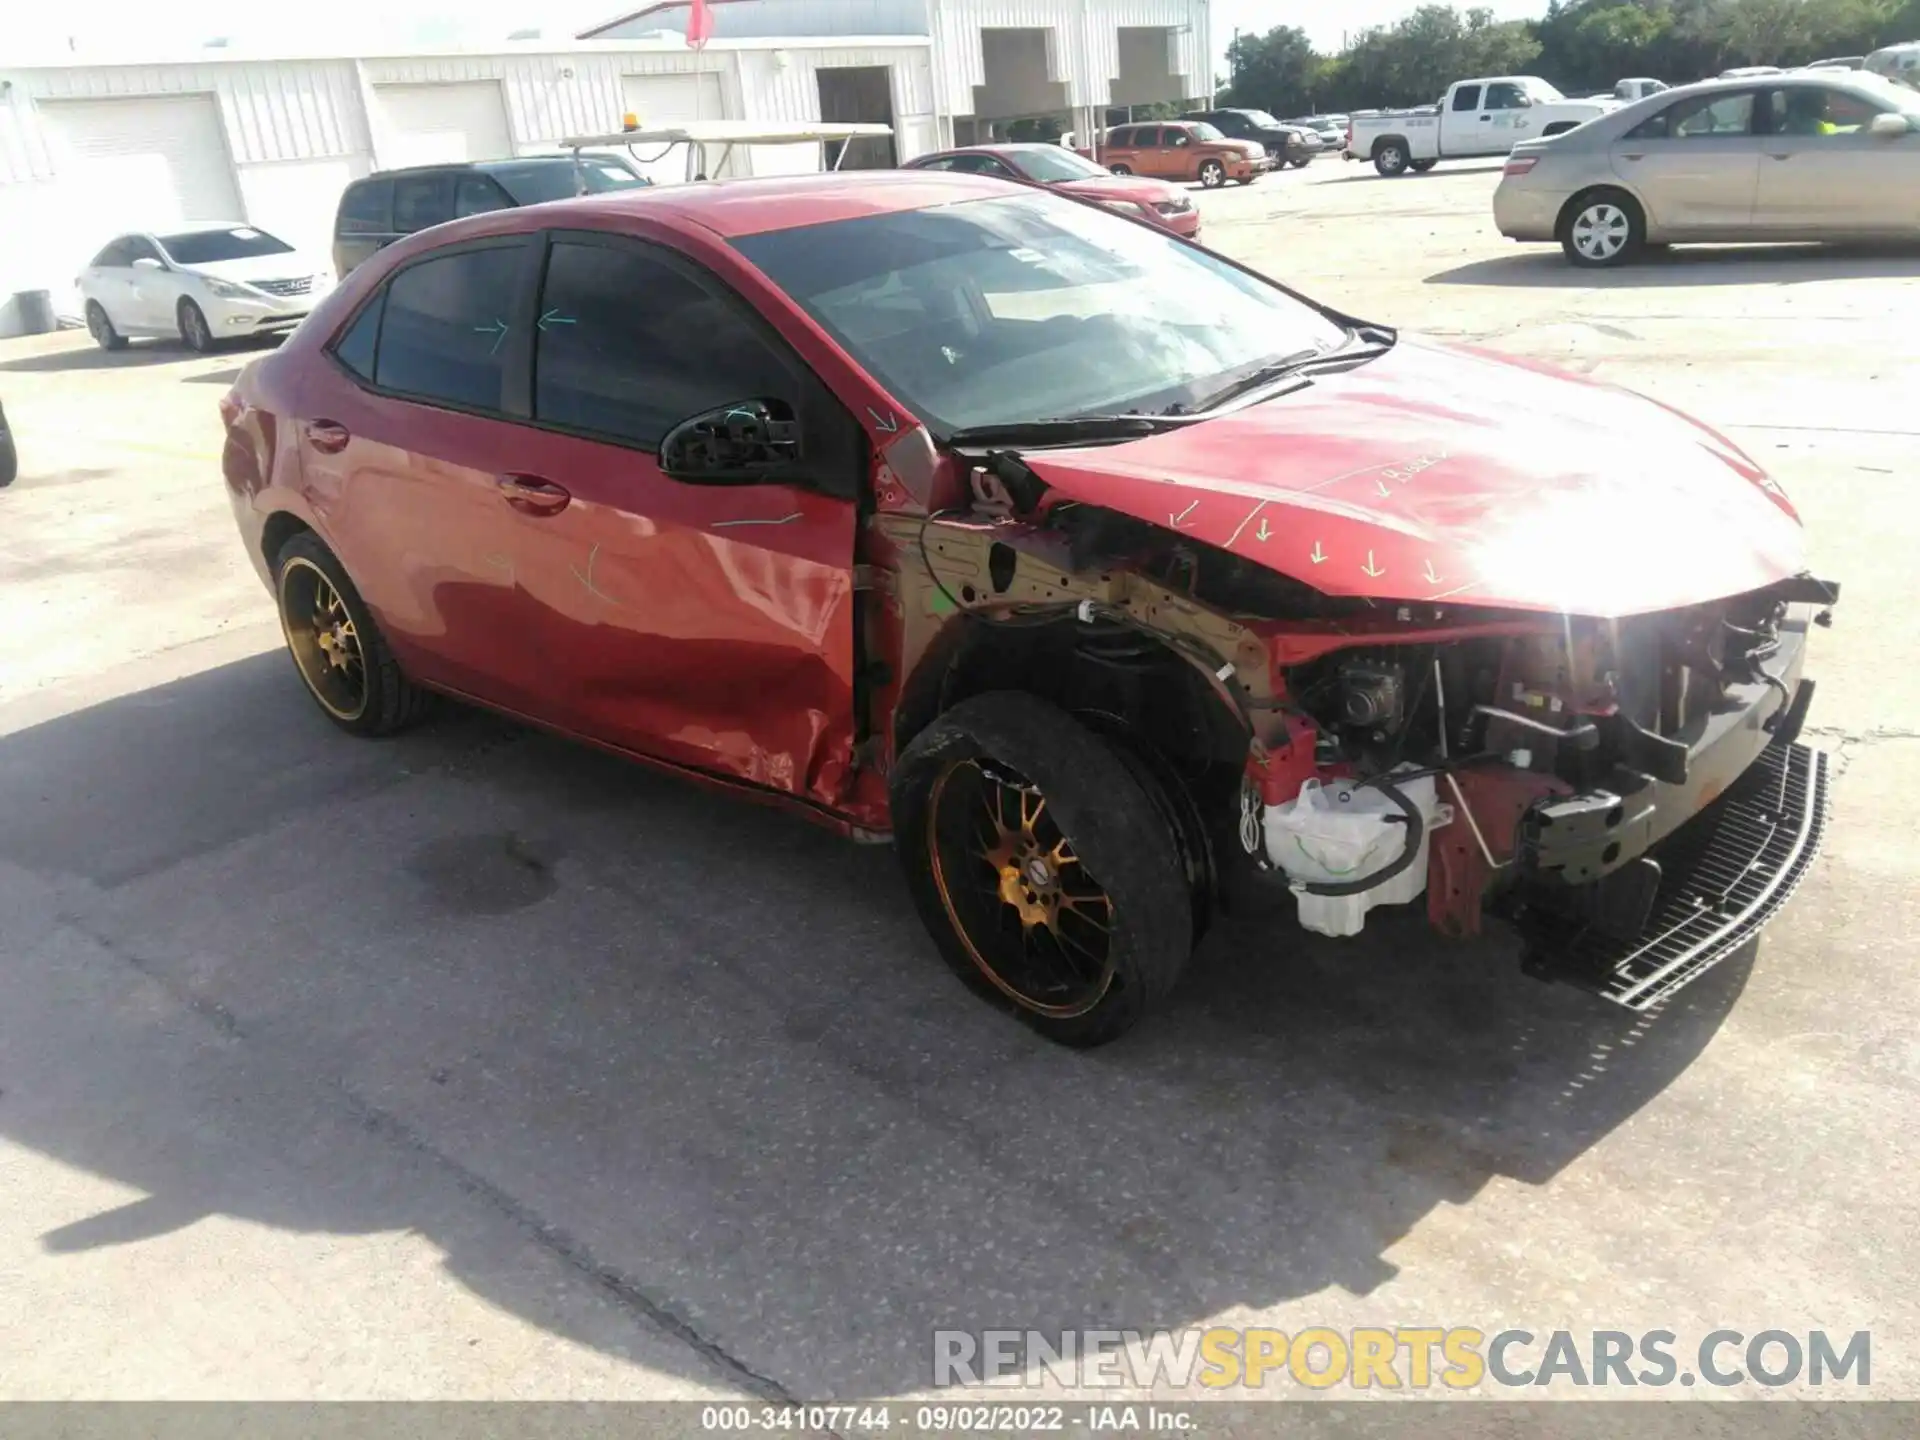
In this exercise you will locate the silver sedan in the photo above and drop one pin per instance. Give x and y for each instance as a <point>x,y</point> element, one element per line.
<point>1784,157</point>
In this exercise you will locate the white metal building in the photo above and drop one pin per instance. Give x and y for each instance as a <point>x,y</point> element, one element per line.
<point>992,59</point>
<point>91,149</point>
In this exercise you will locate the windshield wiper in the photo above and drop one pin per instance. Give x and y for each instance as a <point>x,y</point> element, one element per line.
<point>1066,429</point>
<point>1259,377</point>
<point>1361,344</point>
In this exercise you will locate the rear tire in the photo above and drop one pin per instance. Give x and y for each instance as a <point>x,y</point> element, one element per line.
<point>1212,174</point>
<point>195,333</point>
<point>1602,229</point>
<point>1390,157</point>
<point>100,327</point>
<point>1302,162</point>
<point>9,457</point>
<point>1049,878</point>
<point>337,649</point>
<point>1121,169</point>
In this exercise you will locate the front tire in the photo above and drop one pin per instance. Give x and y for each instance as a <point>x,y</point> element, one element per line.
<point>100,327</point>
<point>1390,158</point>
<point>1050,879</point>
<point>1212,174</point>
<point>195,333</point>
<point>338,650</point>
<point>1602,229</point>
<point>1302,162</point>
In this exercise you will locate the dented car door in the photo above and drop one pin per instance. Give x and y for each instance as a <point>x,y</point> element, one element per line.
<point>707,624</point>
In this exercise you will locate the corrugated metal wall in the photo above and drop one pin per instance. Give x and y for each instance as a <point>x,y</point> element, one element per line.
<point>273,110</point>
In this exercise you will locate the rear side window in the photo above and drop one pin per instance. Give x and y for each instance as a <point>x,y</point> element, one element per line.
<point>476,195</point>
<point>629,346</point>
<point>446,325</point>
<point>1467,97</point>
<point>366,208</point>
<point>354,349</point>
<point>1505,97</point>
<point>119,253</point>
<point>422,200</point>
<point>1123,137</point>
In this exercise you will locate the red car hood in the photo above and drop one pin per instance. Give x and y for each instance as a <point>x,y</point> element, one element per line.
<point>1435,473</point>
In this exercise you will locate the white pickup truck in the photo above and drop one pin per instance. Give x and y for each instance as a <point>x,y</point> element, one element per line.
<point>1487,116</point>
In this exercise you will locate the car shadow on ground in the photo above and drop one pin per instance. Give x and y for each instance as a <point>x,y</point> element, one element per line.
<point>1796,264</point>
<point>1365,171</point>
<point>478,983</point>
<point>138,354</point>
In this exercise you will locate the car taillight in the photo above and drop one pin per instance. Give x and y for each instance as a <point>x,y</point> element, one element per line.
<point>230,408</point>
<point>1520,164</point>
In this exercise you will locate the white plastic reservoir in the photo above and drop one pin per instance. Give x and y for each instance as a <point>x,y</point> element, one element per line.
<point>1343,831</point>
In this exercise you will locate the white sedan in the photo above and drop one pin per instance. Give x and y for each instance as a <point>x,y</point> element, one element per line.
<point>203,283</point>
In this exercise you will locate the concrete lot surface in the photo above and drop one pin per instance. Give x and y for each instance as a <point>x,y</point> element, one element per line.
<point>472,1064</point>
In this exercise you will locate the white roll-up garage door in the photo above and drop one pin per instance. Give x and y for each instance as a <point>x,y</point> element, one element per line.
<point>144,162</point>
<point>432,124</point>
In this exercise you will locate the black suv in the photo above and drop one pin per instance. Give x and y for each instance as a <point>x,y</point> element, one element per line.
<point>387,204</point>
<point>1287,144</point>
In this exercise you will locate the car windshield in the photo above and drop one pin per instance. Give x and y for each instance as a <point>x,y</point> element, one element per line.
<point>207,247</point>
<point>1203,131</point>
<point>537,182</point>
<point>1033,307</point>
<point>1052,164</point>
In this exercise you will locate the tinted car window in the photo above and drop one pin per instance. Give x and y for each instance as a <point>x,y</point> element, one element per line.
<point>447,321</point>
<point>1467,97</point>
<point>205,247</point>
<point>537,181</point>
<point>119,253</point>
<point>1124,138</point>
<point>476,195</point>
<point>421,200</point>
<point>354,349</point>
<point>629,346</point>
<point>141,248</point>
<point>1699,117</point>
<point>367,208</point>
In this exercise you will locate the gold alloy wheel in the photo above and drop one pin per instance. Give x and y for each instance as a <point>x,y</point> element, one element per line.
<point>325,643</point>
<point>1037,925</point>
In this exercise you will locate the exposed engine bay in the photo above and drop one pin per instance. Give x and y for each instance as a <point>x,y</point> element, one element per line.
<point>1555,770</point>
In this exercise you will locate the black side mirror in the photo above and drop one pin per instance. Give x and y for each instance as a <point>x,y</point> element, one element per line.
<point>748,440</point>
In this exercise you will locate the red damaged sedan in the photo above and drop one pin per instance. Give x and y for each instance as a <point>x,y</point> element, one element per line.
<point>1055,165</point>
<point>1111,580</point>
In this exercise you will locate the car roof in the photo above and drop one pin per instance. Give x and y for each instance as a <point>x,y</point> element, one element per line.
<point>479,167</point>
<point>734,208</point>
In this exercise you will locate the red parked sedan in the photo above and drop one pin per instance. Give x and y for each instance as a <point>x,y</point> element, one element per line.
<point>1111,579</point>
<point>1059,167</point>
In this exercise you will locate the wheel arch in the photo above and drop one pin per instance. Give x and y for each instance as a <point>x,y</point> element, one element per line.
<point>1373,150</point>
<point>1135,690</point>
<point>279,527</point>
